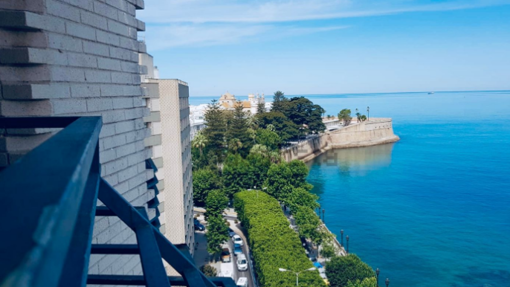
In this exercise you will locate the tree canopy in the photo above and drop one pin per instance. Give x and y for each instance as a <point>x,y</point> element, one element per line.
<point>216,202</point>
<point>342,269</point>
<point>345,116</point>
<point>217,233</point>
<point>204,180</point>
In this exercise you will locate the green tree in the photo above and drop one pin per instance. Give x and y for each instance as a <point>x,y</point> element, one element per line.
<point>204,180</point>
<point>308,223</point>
<point>238,129</point>
<point>215,203</point>
<point>279,102</point>
<point>259,165</point>
<point>200,141</point>
<point>235,145</point>
<point>367,282</point>
<point>261,108</point>
<point>215,130</point>
<point>345,116</point>
<point>304,113</point>
<point>217,233</point>
<point>236,174</point>
<point>284,127</point>
<point>209,270</point>
<point>328,249</point>
<point>342,269</point>
<point>268,138</point>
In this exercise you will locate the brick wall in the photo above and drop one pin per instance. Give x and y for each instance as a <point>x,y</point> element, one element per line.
<point>80,57</point>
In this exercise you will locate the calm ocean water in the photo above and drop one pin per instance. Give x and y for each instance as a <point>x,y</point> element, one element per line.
<point>434,208</point>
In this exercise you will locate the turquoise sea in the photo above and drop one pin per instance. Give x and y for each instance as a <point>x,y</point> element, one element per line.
<point>434,208</point>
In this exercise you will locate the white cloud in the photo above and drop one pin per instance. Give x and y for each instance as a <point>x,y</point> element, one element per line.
<point>172,23</point>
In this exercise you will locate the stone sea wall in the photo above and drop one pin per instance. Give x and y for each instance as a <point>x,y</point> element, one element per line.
<point>368,133</point>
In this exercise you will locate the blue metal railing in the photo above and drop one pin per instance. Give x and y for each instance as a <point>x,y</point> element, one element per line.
<point>48,204</point>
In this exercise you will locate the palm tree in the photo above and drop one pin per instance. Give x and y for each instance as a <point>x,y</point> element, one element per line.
<point>199,142</point>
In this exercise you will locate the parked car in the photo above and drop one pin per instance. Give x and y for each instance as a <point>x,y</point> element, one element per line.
<point>237,249</point>
<point>231,232</point>
<point>242,262</point>
<point>237,239</point>
<point>198,225</point>
<point>225,255</point>
<point>242,282</point>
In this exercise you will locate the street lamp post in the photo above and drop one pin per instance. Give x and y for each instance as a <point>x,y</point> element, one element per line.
<point>377,276</point>
<point>297,273</point>
<point>342,237</point>
<point>368,112</point>
<point>323,219</point>
<point>347,238</point>
<point>387,282</point>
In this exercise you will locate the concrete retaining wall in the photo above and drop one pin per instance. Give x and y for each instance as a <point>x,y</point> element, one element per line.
<point>368,133</point>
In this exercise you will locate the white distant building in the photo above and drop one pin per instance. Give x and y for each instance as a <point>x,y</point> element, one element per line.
<point>228,101</point>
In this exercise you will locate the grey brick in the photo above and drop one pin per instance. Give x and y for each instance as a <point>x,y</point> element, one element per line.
<point>96,76</point>
<point>142,48</point>
<point>123,54</point>
<point>128,43</point>
<point>105,10</point>
<point>69,106</point>
<point>107,38</point>
<point>136,158</point>
<point>95,48</point>
<point>137,180</point>
<point>122,78</point>
<point>112,90</point>
<point>124,127</point>
<point>98,104</point>
<point>134,90</point>
<point>64,43</point>
<point>85,91</point>
<point>131,9</point>
<point>85,4</point>
<point>45,22</point>
<point>93,20</point>
<point>140,25</point>
<point>139,102</point>
<point>109,64</point>
<point>82,60</point>
<point>119,4</point>
<point>66,74</point>
<point>107,156</point>
<point>107,130</point>
<point>118,28</point>
<point>113,116</point>
<point>122,103</point>
<point>115,166</point>
<point>80,31</point>
<point>134,113</point>
<point>62,10</point>
<point>127,173</point>
<point>127,19</point>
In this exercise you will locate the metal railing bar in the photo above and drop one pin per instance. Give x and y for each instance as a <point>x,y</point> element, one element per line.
<point>152,263</point>
<point>104,211</point>
<point>115,249</point>
<point>36,122</point>
<point>139,280</point>
<point>77,262</point>
<point>125,211</point>
<point>37,251</point>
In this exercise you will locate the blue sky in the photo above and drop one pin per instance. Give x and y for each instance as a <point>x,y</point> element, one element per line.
<point>328,47</point>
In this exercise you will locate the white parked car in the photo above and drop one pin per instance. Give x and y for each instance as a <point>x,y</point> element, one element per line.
<point>242,262</point>
<point>242,282</point>
<point>237,239</point>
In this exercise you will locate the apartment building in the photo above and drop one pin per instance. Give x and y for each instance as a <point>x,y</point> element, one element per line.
<point>170,143</point>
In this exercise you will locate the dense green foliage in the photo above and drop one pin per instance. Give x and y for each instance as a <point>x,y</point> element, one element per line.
<point>209,270</point>
<point>237,135</point>
<point>216,202</point>
<point>204,181</point>
<point>367,282</point>
<point>217,233</point>
<point>273,243</point>
<point>216,130</point>
<point>342,269</point>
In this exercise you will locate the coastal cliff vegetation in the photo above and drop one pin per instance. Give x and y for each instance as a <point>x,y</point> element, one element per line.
<point>237,154</point>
